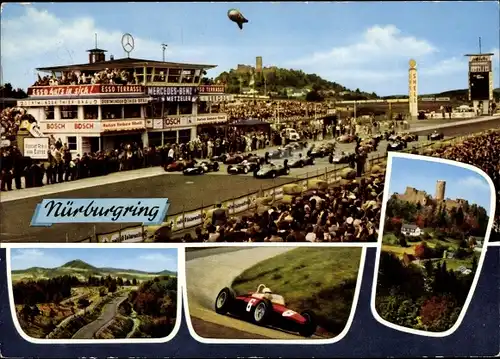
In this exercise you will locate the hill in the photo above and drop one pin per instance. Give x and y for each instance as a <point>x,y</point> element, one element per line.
<point>83,270</point>
<point>280,82</point>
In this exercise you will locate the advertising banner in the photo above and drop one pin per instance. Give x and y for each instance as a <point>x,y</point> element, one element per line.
<point>70,126</point>
<point>192,219</point>
<point>129,235</point>
<point>212,118</point>
<point>36,148</point>
<point>172,122</point>
<point>174,93</point>
<point>216,98</point>
<point>123,125</point>
<point>77,90</point>
<point>212,89</point>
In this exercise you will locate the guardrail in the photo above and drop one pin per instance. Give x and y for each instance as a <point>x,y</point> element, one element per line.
<point>188,219</point>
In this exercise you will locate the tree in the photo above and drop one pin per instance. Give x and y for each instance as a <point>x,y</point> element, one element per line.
<point>421,251</point>
<point>314,96</point>
<point>134,281</point>
<point>8,91</point>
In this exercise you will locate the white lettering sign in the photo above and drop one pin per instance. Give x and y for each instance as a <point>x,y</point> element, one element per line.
<point>83,102</point>
<point>123,125</point>
<point>36,148</point>
<point>216,118</point>
<point>130,235</point>
<point>216,98</point>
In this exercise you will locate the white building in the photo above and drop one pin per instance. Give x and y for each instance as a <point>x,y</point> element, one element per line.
<point>411,230</point>
<point>161,102</point>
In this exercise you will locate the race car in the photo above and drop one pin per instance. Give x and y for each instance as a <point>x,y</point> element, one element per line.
<point>243,167</point>
<point>265,308</point>
<point>342,157</point>
<point>177,165</point>
<point>235,158</point>
<point>274,154</point>
<point>201,168</point>
<point>407,137</point>
<point>394,137</point>
<point>396,146</point>
<point>321,151</point>
<point>345,139</point>
<point>299,162</point>
<point>271,170</point>
<point>436,136</point>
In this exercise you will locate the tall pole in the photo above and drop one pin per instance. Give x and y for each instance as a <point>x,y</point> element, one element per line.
<point>164,47</point>
<point>479,44</point>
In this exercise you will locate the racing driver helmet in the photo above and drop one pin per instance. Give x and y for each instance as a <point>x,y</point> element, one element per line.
<point>267,290</point>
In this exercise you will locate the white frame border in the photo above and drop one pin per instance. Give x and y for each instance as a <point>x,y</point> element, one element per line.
<point>381,234</point>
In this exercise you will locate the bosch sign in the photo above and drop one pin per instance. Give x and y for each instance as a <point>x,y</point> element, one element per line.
<point>70,126</point>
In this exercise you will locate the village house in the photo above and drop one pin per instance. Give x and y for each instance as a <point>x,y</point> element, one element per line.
<point>411,230</point>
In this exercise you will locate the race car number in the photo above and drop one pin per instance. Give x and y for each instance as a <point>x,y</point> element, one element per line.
<point>250,304</point>
<point>288,313</point>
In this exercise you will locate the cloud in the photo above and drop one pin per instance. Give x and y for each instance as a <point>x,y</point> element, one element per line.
<point>378,43</point>
<point>473,182</point>
<point>32,257</point>
<point>61,41</point>
<point>160,260</point>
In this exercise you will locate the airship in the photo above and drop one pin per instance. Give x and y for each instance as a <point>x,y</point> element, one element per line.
<point>236,16</point>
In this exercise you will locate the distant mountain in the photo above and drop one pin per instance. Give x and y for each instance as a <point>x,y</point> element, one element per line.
<point>82,270</point>
<point>280,82</point>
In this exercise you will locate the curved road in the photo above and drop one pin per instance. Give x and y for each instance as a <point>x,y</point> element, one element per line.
<point>109,311</point>
<point>203,285</point>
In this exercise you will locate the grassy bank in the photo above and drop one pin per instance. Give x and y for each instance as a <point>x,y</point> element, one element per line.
<point>118,328</point>
<point>319,279</point>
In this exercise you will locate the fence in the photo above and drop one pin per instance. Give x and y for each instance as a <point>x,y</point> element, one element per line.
<point>192,218</point>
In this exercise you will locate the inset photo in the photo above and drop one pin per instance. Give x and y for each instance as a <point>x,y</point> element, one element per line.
<point>281,293</point>
<point>436,220</point>
<point>94,293</point>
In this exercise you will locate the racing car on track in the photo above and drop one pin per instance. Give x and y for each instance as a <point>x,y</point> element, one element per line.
<point>175,166</point>
<point>396,146</point>
<point>243,167</point>
<point>299,161</point>
<point>201,168</point>
<point>341,157</point>
<point>436,136</point>
<point>345,139</point>
<point>265,308</point>
<point>271,170</point>
<point>408,137</point>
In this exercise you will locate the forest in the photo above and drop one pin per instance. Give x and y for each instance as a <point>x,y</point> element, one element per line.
<point>424,280</point>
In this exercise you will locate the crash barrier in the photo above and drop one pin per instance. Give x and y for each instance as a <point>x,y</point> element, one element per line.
<point>192,218</point>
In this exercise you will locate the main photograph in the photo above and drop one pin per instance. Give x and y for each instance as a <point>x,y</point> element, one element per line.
<point>249,142</point>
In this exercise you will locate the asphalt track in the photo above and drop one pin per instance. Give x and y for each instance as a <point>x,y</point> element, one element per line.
<point>108,313</point>
<point>207,275</point>
<point>184,193</point>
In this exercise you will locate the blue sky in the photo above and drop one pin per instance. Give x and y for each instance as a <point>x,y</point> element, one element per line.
<point>363,45</point>
<point>422,175</point>
<point>149,260</point>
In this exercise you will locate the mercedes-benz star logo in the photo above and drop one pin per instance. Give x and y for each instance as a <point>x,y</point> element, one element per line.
<point>127,43</point>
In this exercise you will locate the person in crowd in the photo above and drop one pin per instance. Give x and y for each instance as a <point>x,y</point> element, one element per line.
<point>219,216</point>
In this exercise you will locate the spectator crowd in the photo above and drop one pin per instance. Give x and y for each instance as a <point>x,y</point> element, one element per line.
<point>346,211</point>
<point>283,110</point>
<point>104,77</point>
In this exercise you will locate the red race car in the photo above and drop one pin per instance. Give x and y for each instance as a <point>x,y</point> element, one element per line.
<point>263,307</point>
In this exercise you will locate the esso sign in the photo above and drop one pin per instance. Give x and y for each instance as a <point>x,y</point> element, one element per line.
<point>84,126</point>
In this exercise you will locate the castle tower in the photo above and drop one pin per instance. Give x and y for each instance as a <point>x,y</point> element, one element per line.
<point>440,190</point>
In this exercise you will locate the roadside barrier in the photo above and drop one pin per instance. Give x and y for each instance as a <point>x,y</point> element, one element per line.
<point>187,219</point>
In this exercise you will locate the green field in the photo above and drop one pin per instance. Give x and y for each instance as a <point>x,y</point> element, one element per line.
<point>451,263</point>
<point>319,279</point>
